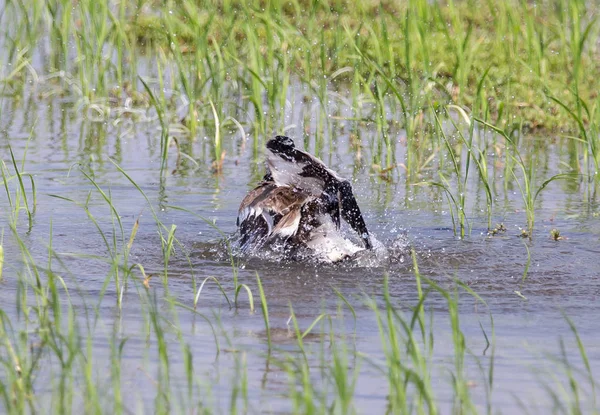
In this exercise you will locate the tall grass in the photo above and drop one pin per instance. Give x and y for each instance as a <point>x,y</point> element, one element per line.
<point>1,253</point>
<point>408,67</point>
<point>56,334</point>
<point>430,52</point>
<point>527,182</point>
<point>19,201</point>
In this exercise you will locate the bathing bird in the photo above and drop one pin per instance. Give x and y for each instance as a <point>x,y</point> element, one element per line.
<point>298,208</point>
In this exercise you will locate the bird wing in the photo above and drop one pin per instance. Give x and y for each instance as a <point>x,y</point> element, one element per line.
<point>290,166</point>
<point>255,202</point>
<point>270,210</point>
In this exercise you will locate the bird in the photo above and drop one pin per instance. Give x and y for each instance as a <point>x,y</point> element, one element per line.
<point>298,207</point>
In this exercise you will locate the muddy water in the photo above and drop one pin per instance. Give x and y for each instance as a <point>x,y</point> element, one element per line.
<point>563,277</point>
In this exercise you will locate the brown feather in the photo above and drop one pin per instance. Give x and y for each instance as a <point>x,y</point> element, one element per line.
<point>270,204</point>
<point>300,202</point>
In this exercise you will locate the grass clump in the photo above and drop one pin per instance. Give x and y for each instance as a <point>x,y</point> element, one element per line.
<point>56,335</point>
<point>443,74</point>
<point>526,181</point>
<point>429,52</point>
<point>555,234</point>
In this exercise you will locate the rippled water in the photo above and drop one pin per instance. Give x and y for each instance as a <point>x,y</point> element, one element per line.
<point>564,276</point>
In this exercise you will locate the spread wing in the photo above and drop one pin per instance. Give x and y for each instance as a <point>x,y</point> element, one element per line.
<point>292,167</point>
<point>269,211</point>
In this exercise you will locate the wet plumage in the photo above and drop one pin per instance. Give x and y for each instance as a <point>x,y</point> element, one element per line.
<point>298,206</point>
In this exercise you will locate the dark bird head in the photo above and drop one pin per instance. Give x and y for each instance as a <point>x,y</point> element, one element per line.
<point>283,146</point>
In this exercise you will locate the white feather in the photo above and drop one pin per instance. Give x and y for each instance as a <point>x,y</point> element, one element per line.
<point>287,173</point>
<point>288,230</point>
<point>329,244</point>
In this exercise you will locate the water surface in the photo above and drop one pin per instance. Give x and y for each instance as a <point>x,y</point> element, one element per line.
<point>563,277</point>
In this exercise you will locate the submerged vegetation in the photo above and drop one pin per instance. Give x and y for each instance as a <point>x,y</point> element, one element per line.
<point>460,99</point>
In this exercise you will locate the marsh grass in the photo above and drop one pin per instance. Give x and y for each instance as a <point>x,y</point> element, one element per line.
<point>159,105</point>
<point>241,66</point>
<point>571,389</point>
<point>264,308</point>
<point>54,331</point>
<point>72,347</point>
<point>402,64</point>
<point>527,180</point>
<point>233,261</point>
<point>430,52</point>
<point>19,200</point>
<point>456,195</point>
<point>588,134</point>
<point>1,253</point>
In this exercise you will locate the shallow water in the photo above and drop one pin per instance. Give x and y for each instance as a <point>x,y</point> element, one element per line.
<point>563,277</point>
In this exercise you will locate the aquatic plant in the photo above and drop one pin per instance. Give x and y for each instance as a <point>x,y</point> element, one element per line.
<point>555,234</point>
<point>527,180</point>
<point>432,52</point>
<point>389,78</point>
<point>1,254</point>
<point>66,337</point>
<point>264,308</point>
<point>457,198</point>
<point>20,200</point>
